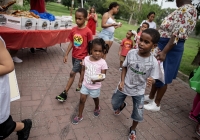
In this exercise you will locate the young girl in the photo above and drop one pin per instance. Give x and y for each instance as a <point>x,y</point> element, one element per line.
<point>144,26</point>
<point>79,38</point>
<point>92,20</point>
<point>93,65</point>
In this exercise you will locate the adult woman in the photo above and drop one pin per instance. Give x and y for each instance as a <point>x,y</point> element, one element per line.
<point>150,18</point>
<point>174,30</point>
<point>92,20</point>
<point>108,24</point>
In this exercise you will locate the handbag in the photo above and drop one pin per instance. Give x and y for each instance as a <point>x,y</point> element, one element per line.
<point>195,80</point>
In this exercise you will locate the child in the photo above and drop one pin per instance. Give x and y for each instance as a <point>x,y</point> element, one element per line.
<point>125,46</point>
<point>144,26</point>
<point>92,65</point>
<point>139,68</point>
<point>79,38</point>
<point>7,125</point>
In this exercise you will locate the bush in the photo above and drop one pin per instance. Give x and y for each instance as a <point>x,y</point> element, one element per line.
<point>197,28</point>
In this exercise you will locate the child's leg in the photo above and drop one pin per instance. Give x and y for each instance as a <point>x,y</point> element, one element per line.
<point>195,103</point>
<point>83,98</point>
<point>118,101</point>
<point>153,91</point>
<point>137,113</point>
<point>96,102</point>
<point>121,62</point>
<point>70,81</point>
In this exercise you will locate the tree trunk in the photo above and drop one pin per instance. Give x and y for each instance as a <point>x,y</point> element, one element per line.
<point>196,60</point>
<point>129,22</point>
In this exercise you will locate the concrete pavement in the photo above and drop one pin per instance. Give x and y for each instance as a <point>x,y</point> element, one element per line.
<point>43,75</point>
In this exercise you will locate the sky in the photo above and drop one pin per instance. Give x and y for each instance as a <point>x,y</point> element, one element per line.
<point>171,4</point>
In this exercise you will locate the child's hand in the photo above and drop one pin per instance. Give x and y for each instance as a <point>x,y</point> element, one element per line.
<point>119,53</point>
<point>65,59</point>
<point>79,85</point>
<point>121,86</point>
<point>150,81</point>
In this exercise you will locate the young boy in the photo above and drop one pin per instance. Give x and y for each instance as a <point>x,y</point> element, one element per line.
<point>125,46</point>
<point>140,68</point>
<point>79,38</point>
<point>7,125</point>
<point>144,26</point>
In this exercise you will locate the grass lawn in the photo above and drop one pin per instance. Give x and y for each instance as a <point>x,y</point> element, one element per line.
<point>190,45</point>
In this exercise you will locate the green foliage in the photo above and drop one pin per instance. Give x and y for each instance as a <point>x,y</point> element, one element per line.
<point>197,28</point>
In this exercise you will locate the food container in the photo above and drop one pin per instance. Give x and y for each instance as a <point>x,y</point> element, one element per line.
<point>42,24</point>
<point>20,23</point>
<point>55,25</point>
<point>98,77</point>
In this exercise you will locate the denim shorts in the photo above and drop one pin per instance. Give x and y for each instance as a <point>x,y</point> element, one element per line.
<point>106,35</point>
<point>94,93</point>
<point>138,104</point>
<point>76,65</point>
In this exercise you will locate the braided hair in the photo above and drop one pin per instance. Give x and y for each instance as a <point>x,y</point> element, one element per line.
<point>98,41</point>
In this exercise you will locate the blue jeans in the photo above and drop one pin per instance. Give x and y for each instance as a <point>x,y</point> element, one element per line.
<point>138,104</point>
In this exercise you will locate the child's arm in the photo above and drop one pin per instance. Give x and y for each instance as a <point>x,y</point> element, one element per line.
<point>120,49</point>
<point>150,81</point>
<point>6,62</point>
<point>81,76</point>
<point>123,74</point>
<point>67,52</point>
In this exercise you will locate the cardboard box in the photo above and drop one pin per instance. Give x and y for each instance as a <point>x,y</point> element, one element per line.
<point>20,23</point>
<point>42,24</point>
<point>55,25</point>
<point>66,21</point>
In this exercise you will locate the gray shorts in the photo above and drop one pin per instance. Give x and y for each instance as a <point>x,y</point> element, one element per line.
<point>76,65</point>
<point>138,104</point>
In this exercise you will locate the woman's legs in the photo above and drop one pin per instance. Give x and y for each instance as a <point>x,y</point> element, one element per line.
<point>160,93</point>
<point>109,44</point>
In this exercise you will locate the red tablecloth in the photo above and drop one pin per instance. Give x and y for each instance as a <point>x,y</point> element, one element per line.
<point>17,39</point>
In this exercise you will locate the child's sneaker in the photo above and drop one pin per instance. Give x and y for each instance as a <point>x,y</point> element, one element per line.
<point>152,107</point>
<point>120,69</point>
<point>132,134</point>
<point>97,112</point>
<point>76,120</point>
<point>24,133</point>
<point>147,99</point>
<point>62,97</point>
<point>198,129</point>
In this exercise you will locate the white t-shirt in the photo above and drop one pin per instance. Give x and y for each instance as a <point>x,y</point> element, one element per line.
<point>138,70</point>
<point>151,24</point>
<point>4,97</point>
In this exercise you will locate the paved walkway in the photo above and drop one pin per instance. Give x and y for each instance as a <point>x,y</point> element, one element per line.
<point>42,76</point>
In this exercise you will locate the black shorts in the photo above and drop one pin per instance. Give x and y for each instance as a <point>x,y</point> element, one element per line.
<point>76,65</point>
<point>7,127</point>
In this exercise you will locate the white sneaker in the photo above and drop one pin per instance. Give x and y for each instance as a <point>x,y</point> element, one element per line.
<point>17,60</point>
<point>152,107</point>
<point>147,99</point>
